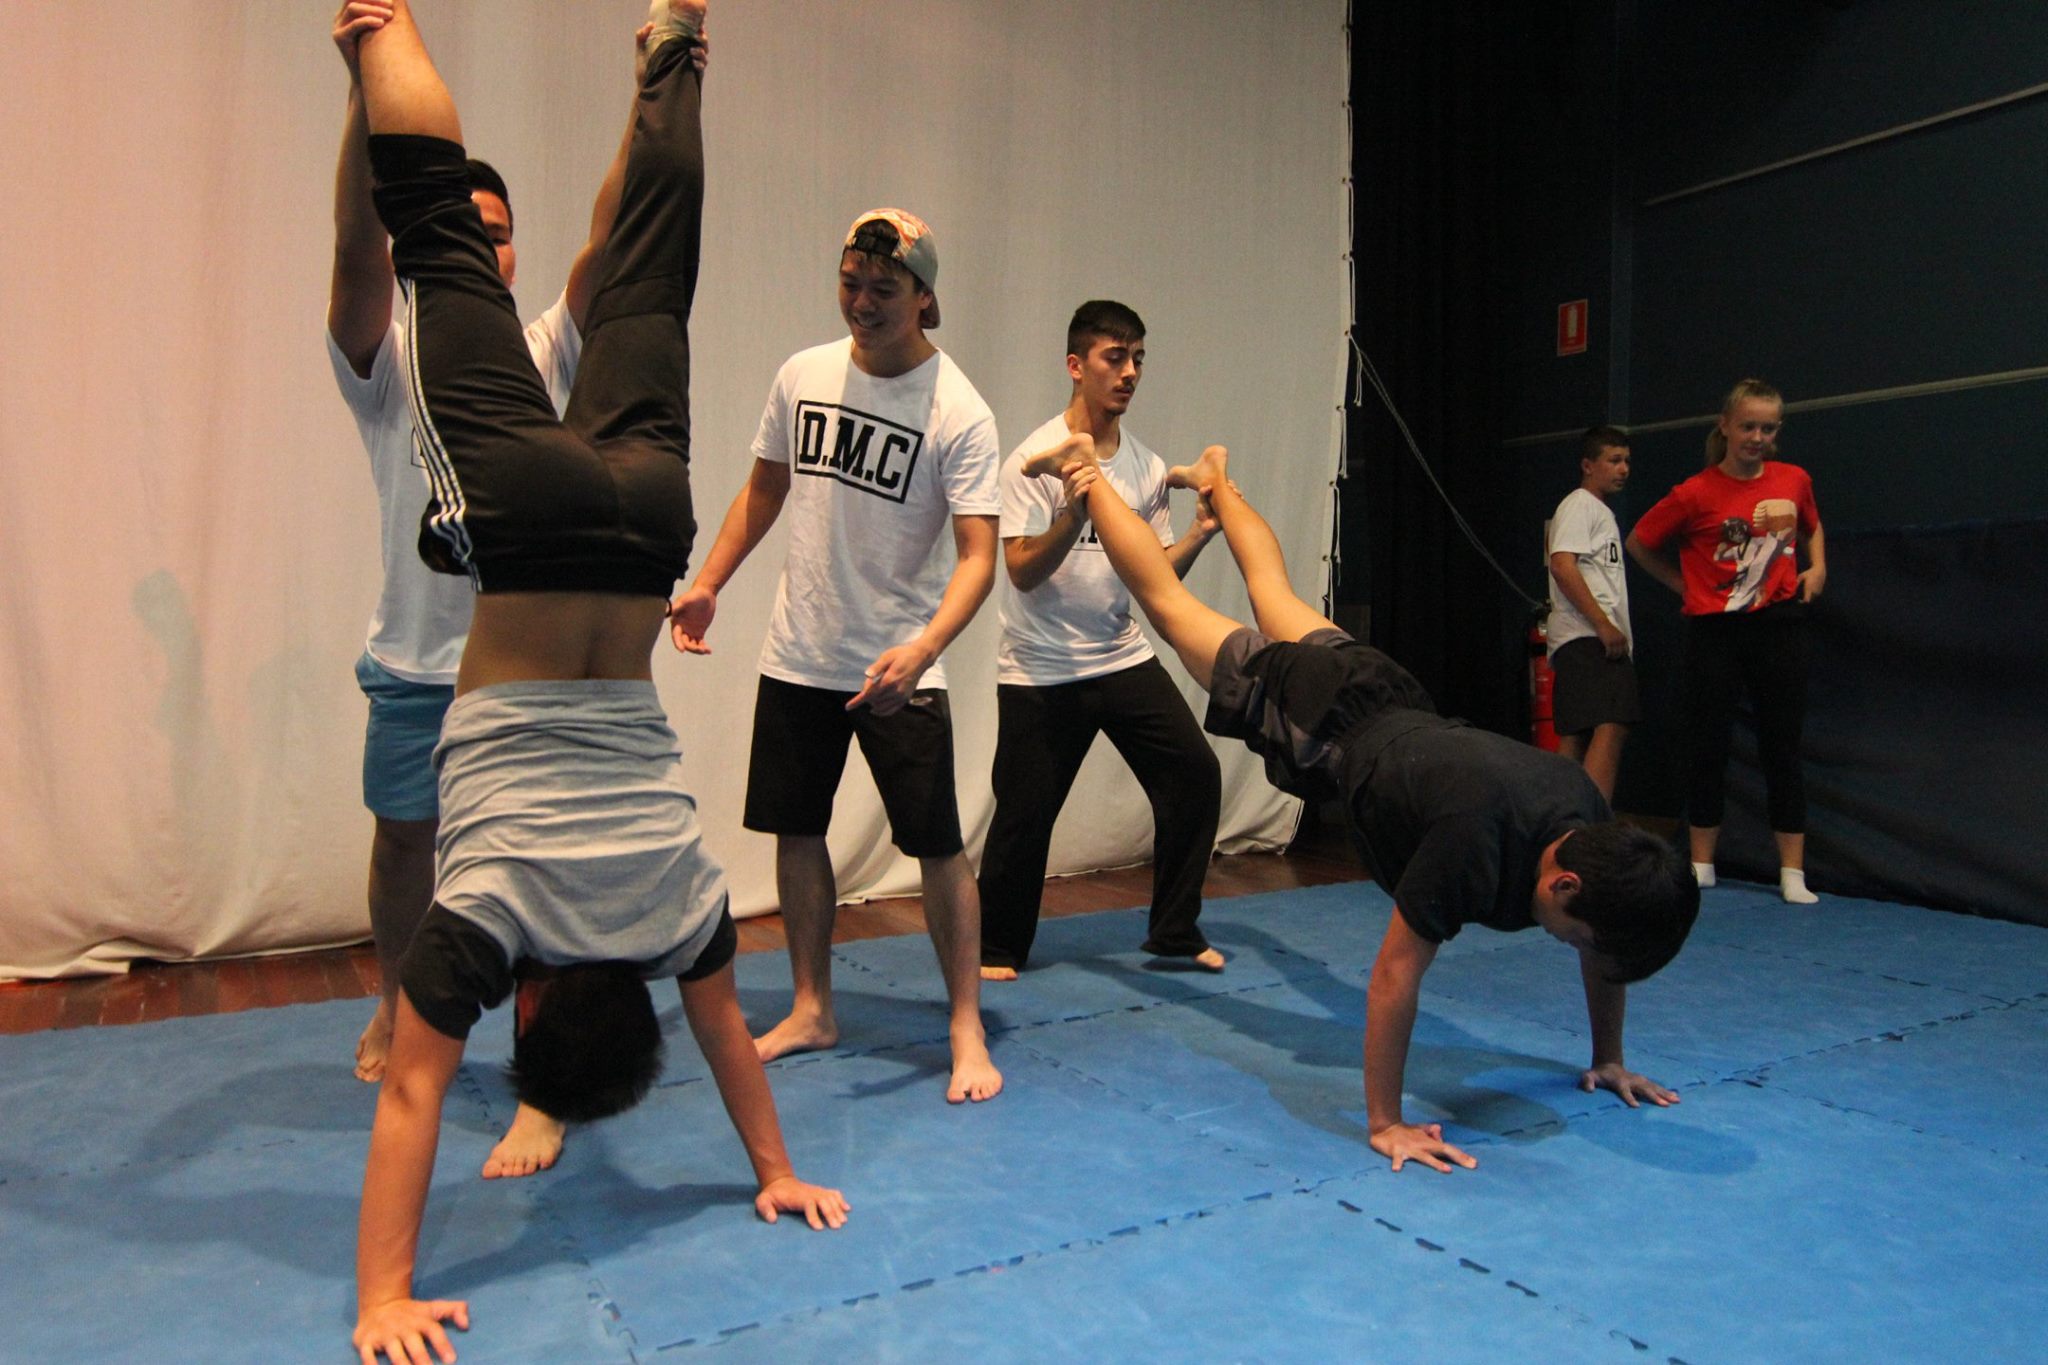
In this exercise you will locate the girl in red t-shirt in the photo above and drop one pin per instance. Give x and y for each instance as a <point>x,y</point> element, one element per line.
<point>1737,528</point>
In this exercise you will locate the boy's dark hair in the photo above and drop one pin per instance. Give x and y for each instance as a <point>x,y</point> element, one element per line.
<point>887,261</point>
<point>592,1047</point>
<point>1598,439</point>
<point>1636,892</point>
<point>1103,320</point>
<point>484,176</point>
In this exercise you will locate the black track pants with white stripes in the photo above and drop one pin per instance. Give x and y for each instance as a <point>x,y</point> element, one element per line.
<point>600,500</point>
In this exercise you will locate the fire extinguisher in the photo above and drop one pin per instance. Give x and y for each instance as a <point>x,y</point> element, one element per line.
<point>1542,727</point>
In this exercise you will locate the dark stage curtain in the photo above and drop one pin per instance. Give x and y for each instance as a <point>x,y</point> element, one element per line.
<point>1927,725</point>
<point>1427,99</point>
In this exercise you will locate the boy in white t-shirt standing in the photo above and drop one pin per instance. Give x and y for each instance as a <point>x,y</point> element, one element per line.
<point>1073,663</point>
<point>1594,700</point>
<point>407,668</point>
<point>876,443</point>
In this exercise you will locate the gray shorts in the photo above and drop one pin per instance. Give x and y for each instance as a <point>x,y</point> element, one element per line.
<point>566,832</point>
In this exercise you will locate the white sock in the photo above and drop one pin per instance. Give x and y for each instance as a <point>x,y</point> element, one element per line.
<point>1703,873</point>
<point>1792,886</point>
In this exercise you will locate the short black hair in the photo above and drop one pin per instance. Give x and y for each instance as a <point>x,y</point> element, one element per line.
<point>1103,320</point>
<point>1598,439</point>
<point>1637,893</point>
<point>592,1047</point>
<point>484,176</point>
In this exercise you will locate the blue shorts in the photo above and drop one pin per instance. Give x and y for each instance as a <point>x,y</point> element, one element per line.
<point>398,748</point>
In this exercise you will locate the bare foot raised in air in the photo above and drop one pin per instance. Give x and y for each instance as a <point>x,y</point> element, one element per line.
<point>530,1145</point>
<point>998,973</point>
<point>1078,448</point>
<point>668,19</point>
<point>1204,474</point>
<point>1209,960</point>
<point>801,1032</point>
<point>974,1075</point>
<point>680,18</point>
<point>375,1045</point>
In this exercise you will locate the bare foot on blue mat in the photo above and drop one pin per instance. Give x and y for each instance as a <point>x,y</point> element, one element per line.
<point>974,1075</point>
<point>529,1146</point>
<point>798,1033</point>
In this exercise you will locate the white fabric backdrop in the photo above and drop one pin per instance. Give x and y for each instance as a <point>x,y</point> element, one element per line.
<point>189,525</point>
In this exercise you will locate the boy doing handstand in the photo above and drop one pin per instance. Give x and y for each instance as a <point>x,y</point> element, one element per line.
<point>569,852</point>
<point>1461,825</point>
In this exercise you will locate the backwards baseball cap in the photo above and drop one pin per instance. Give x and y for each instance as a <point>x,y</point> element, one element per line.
<point>905,239</point>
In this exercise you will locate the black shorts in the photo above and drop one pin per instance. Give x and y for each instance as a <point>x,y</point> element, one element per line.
<point>598,501</point>
<point>1296,703</point>
<point>800,738</point>
<point>1590,689</point>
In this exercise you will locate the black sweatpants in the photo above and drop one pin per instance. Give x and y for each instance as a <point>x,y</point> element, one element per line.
<point>1042,735</point>
<point>600,500</point>
<point>1764,654</point>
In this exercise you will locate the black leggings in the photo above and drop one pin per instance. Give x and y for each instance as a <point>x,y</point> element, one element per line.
<point>1765,654</point>
<point>598,501</point>
<point>1042,735</point>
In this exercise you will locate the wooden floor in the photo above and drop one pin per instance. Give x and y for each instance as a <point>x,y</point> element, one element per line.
<point>156,990</point>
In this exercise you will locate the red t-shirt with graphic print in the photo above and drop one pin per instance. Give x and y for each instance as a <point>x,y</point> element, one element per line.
<point>1738,539</point>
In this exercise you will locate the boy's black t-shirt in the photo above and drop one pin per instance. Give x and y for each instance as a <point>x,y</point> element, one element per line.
<point>1454,821</point>
<point>454,971</point>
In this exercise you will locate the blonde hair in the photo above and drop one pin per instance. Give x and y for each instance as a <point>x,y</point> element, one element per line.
<point>1745,389</point>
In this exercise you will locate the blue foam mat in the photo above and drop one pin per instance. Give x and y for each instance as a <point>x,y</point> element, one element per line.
<point>1339,925</point>
<point>1715,1007</point>
<point>1330,1285</point>
<point>1990,958</point>
<point>1753,1225</point>
<point>1089,967</point>
<point>1178,1168</point>
<point>936,1189</point>
<point>84,1100</point>
<point>246,1254</point>
<point>1273,1074</point>
<point>1981,1079</point>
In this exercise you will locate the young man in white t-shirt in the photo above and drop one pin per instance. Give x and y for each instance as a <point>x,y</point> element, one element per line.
<point>407,668</point>
<point>1594,699</point>
<point>1073,663</point>
<point>876,443</point>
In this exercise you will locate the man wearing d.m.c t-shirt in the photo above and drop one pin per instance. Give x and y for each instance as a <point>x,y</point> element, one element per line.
<point>875,444</point>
